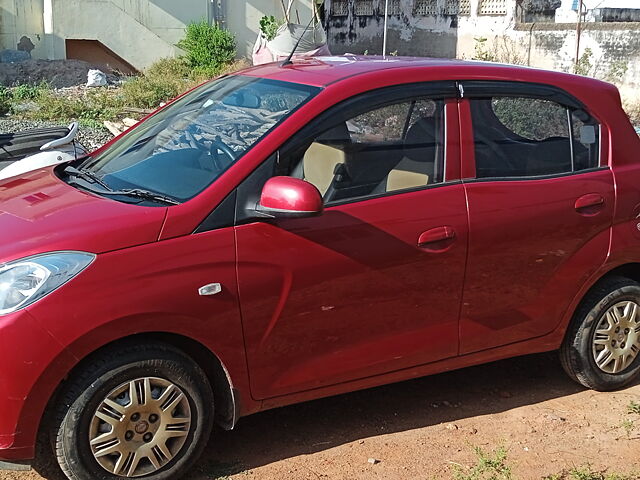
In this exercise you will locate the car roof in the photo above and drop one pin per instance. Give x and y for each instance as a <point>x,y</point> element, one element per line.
<point>325,71</point>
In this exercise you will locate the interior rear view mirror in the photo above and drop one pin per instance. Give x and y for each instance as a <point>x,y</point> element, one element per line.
<point>243,99</point>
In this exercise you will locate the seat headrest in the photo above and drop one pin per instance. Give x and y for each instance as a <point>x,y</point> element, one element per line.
<point>420,136</point>
<point>339,133</point>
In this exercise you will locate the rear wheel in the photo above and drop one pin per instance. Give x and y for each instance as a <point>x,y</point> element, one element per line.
<point>602,347</point>
<point>143,411</point>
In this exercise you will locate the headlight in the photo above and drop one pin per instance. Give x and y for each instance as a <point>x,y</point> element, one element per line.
<point>25,281</point>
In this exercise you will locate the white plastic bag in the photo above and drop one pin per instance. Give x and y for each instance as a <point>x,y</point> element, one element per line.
<point>96,78</point>
<point>312,39</point>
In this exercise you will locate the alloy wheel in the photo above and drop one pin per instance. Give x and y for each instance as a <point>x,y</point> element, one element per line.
<point>616,342</point>
<point>140,426</point>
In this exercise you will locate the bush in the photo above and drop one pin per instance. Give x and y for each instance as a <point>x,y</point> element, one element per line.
<point>149,92</point>
<point>632,107</point>
<point>208,48</point>
<point>5,100</point>
<point>169,67</point>
<point>269,26</point>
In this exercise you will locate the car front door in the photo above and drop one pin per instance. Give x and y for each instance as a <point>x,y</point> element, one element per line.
<point>373,285</point>
<point>540,209</point>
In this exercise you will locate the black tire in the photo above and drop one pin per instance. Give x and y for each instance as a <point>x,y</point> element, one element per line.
<point>88,386</point>
<point>576,354</point>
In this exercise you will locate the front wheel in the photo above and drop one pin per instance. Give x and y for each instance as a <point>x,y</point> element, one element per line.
<point>143,411</point>
<point>602,346</point>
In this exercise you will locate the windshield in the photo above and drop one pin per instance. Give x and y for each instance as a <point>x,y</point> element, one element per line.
<point>182,149</point>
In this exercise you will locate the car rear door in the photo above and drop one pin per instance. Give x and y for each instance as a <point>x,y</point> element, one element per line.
<point>372,285</point>
<point>541,201</point>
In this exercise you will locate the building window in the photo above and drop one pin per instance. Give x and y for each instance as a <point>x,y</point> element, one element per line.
<point>464,7</point>
<point>492,7</point>
<point>426,8</point>
<point>452,7</point>
<point>364,7</point>
<point>394,7</point>
<point>339,8</point>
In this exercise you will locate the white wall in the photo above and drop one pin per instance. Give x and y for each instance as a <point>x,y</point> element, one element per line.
<point>566,13</point>
<point>589,4</point>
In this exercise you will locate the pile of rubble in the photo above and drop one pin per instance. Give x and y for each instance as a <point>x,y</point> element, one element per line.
<point>57,73</point>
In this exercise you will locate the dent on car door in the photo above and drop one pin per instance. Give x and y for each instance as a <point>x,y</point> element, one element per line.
<point>372,285</point>
<point>540,210</point>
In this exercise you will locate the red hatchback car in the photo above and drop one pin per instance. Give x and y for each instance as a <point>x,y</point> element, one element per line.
<point>293,232</point>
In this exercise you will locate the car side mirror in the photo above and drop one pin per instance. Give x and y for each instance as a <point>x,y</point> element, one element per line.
<point>288,197</point>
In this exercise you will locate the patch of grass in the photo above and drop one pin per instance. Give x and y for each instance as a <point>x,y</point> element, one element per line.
<point>633,408</point>
<point>489,466</point>
<point>165,80</point>
<point>628,426</point>
<point>587,473</point>
<point>94,105</point>
<point>27,92</point>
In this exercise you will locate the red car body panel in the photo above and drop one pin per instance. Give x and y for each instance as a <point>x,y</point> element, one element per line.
<point>38,209</point>
<point>530,231</point>
<point>318,306</point>
<point>362,286</point>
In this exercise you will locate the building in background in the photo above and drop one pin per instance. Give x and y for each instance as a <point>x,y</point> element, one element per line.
<point>132,34</point>
<point>529,32</point>
<point>126,34</point>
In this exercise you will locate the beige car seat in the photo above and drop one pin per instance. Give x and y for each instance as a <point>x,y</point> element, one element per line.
<point>417,166</point>
<point>322,157</point>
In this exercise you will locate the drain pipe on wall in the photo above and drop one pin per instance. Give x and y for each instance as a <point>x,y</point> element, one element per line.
<point>47,17</point>
<point>384,37</point>
<point>218,12</point>
<point>578,35</point>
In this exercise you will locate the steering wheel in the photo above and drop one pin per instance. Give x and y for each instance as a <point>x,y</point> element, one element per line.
<point>224,160</point>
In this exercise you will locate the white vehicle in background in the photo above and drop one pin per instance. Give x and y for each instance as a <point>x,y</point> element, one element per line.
<point>33,149</point>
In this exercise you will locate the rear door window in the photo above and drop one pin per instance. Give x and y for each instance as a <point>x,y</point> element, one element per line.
<point>529,137</point>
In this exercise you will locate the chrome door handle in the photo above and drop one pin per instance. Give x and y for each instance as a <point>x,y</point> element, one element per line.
<point>589,204</point>
<point>436,235</point>
<point>211,289</point>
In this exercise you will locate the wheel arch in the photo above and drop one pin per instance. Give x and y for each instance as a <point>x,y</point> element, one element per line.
<point>226,397</point>
<point>629,270</point>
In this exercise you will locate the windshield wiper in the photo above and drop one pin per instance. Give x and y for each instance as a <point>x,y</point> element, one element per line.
<point>127,192</point>
<point>144,195</point>
<point>86,175</point>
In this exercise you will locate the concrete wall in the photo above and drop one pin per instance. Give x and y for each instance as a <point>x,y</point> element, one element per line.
<point>139,31</point>
<point>615,47</point>
<point>21,23</point>
<point>408,34</point>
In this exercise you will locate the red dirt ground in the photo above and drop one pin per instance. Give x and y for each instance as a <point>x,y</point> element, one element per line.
<point>420,429</point>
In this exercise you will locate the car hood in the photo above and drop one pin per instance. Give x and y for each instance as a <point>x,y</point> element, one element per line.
<point>40,213</point>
